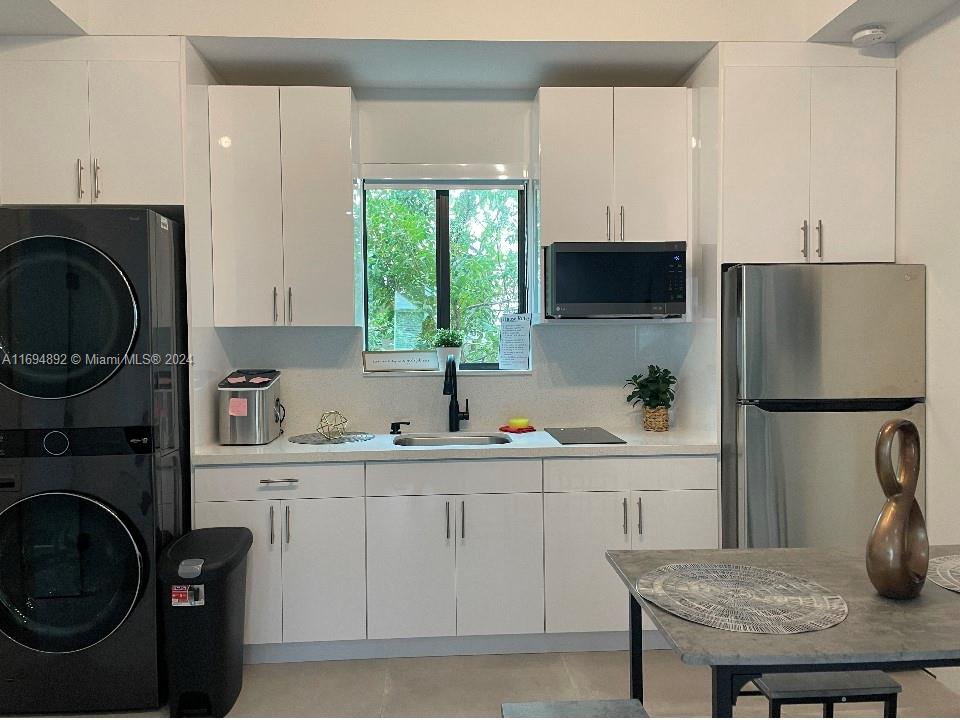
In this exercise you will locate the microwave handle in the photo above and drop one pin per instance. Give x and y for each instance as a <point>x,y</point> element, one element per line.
<point>608,223</point>
<point>621,223</point>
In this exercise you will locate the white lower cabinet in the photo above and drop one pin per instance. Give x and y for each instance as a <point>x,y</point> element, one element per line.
<point>411,566</point>
<point>583,593</point>
<point>324,572</point>
<point>305,570</point>
<point>500,564</point>
<point>586,517</point>
<point>264,611</point>
<point>441,565</point>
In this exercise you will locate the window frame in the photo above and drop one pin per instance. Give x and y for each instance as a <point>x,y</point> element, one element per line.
<point>442,231</point>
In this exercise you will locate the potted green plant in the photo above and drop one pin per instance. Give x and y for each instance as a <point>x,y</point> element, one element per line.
<point>655,391</point>
<point>448,342</point>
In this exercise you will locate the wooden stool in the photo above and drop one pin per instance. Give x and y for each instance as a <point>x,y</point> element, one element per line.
<point>829,688</point>
<point>575,708</point>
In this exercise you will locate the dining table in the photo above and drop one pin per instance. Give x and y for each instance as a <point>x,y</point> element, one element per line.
<point>878,632</point>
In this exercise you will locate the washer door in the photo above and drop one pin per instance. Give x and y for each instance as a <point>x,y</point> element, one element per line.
<point>70,572</point>
<point>62,300</point>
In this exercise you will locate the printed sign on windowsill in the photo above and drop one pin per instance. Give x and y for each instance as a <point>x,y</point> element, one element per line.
<point>515,341</point>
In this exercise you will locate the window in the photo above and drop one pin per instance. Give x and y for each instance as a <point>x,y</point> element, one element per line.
<point>452,257</point>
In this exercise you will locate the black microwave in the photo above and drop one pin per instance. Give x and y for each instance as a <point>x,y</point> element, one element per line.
<point>615,280</point>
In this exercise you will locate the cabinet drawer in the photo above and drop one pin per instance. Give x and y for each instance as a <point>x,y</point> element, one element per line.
<point>454,477</point>
<point>645,473</point>
<point>262,482</point>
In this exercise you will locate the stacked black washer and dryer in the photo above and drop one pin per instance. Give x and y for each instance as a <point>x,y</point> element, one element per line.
<point>93,452</point>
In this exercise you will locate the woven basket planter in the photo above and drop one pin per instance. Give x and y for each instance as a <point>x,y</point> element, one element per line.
<point>656,419</point>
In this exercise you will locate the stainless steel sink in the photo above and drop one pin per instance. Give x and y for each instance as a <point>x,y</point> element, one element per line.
<point>442,439</point>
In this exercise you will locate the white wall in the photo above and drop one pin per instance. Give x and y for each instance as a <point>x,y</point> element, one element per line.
<point>928,231</point>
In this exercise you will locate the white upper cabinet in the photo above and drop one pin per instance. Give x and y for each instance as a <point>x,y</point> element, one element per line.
<point>853,140</point>
<point>766,164</point>
<point>64,123</point>
<point>576,162</point>
<point>613,164</point>
<point>246,210</point>
<point>809,164</point>
<point>317,169</point>
<point>282,203</point>
<point>135,133</point>
<point>44,135</point>
<point>651,145</point>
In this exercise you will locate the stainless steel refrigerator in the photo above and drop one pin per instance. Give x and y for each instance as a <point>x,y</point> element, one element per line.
<point>815,358</point>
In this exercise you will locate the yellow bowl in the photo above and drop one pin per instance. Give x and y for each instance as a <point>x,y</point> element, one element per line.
<point>518,422</point>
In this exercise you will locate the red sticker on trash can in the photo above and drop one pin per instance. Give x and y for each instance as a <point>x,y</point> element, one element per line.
<point>186,595</point>
<point>237,407</point>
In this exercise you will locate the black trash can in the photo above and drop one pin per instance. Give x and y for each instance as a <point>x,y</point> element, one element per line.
<point>203,580</point>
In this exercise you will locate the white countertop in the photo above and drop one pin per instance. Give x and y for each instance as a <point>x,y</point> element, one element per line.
<point>537,444</point>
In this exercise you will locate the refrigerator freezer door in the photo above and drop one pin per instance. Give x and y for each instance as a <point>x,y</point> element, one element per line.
<point>811,332</point>
<point>807,479</point>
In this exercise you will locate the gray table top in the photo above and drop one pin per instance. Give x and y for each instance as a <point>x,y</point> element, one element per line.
<point>877,629</point>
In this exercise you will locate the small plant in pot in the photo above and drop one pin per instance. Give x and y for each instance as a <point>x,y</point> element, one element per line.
<point>655,391</point>
<point>448,342</point>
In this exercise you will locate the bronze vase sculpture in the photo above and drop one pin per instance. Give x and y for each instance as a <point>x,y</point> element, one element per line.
<point>898,551</point>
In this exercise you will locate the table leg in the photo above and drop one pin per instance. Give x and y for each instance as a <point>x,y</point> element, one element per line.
<point>723,692</point>
<point>636,650</point>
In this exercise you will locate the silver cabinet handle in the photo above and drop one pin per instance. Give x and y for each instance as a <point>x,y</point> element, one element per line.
<point>608,223</point>
<point>271,524</point>
<point>290,305</point>
<point>287,522</point>
<point>626,528</point>
<point>275,316</point>
<point>621,223</point>
<point>96,178</point>
<point>640,515</point>
<point>79,179</point>
<point>819,238</point>
<point>270,481</point>
<point>448,519</point>
<point>463,519</point>
<point>805,228</point>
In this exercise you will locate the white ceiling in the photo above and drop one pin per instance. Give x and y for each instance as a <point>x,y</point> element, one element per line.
<point>899,17</point>
<point>446,64</point>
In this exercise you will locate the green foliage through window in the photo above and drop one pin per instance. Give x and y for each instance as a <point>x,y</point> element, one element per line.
<point>448,257</point>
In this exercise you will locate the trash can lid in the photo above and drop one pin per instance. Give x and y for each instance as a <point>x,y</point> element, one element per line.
<point>219,549</point>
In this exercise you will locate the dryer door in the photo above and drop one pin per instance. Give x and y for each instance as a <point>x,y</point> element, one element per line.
<point>68,317</point>
<point>70,572</point>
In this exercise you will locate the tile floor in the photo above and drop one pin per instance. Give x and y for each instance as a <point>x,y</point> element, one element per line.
<point>476,685</point>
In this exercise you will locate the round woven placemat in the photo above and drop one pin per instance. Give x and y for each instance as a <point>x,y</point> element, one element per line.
<point>742,598</point>
<point>945,572</point>
<point>316,438</point>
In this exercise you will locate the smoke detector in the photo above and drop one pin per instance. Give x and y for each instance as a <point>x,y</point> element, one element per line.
<point>868,36</point>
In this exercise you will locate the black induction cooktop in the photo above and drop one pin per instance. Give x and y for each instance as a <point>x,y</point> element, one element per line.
<point>584,436</point>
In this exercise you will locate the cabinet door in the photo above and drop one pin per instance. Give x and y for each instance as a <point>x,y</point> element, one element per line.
<point>324,570</point>
<point>317,169</point>
<point>576,164</point>
<point>44,133</point>
<point>264,594</point>
<point>411,567</point>
<point>766,163</point>
<point>853,164</point>
<point>651,142</point>
<point>674,520</point>
<point>246,209</point>
<point>135,142</point>
<point>499,564</point>
<point>583,593</point>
